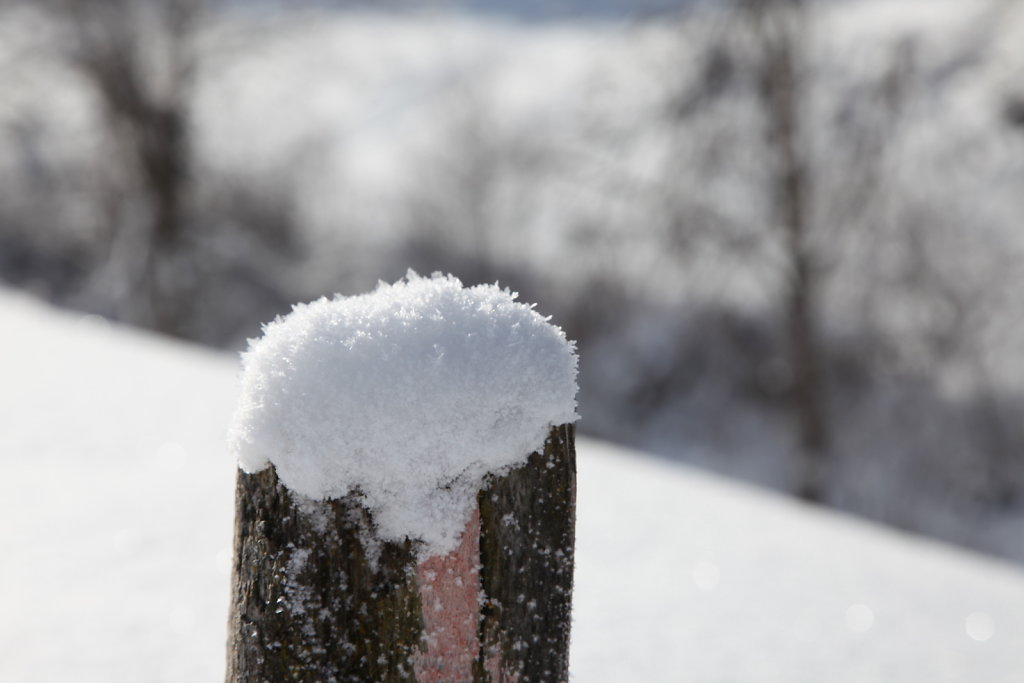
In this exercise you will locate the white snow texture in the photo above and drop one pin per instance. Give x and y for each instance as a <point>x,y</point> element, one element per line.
<point>408,396</point>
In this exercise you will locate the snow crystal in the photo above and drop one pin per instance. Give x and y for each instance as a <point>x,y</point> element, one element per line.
<point>407,396</point>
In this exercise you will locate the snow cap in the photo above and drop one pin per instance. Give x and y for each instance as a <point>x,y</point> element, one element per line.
<point>408,395</point>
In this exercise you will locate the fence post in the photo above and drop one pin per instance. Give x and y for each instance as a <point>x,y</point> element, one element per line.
<point>333,588</point>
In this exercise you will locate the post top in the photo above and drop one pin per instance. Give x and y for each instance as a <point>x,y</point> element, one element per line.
<point>408,395</point>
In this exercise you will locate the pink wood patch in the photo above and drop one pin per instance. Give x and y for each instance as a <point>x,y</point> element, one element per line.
<point>450,592</point>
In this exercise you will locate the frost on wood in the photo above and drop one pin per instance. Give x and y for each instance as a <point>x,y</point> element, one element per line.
<point>306,603</point>
<point>406,398</point>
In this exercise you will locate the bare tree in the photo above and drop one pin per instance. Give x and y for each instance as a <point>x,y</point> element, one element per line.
<point>139,58</point>
<point>779,28</point>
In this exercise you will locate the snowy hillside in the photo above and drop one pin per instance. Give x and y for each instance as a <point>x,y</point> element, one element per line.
<point>116,494</point>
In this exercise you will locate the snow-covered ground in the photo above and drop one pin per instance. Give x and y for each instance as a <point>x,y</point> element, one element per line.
<point>116,494</point>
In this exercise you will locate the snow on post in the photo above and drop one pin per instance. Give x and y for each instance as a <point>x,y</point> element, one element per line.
<point>405,500</point>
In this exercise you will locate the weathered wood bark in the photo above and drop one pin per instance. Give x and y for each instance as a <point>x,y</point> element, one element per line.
<point>527,540</point>
<point>316,598</point>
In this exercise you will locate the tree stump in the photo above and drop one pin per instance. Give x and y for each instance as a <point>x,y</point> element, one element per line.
<point>316,596</point>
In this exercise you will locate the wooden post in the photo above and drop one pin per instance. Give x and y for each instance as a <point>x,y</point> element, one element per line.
<point>317,597</point>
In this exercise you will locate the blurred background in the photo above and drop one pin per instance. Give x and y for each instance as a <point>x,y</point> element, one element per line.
<point>786,234</point>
